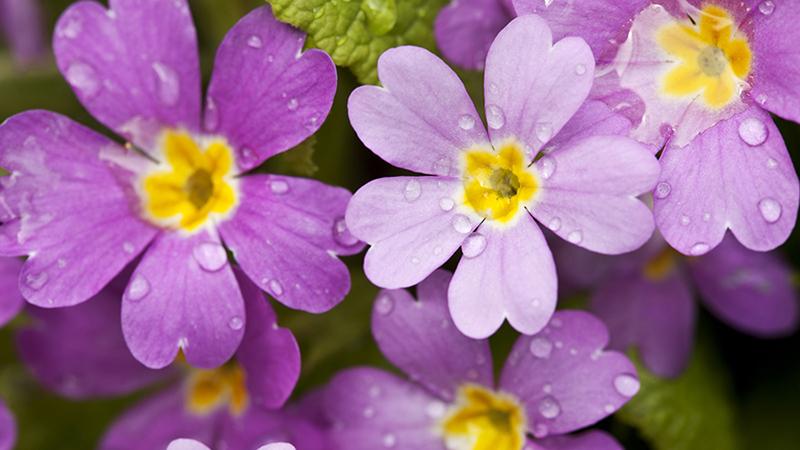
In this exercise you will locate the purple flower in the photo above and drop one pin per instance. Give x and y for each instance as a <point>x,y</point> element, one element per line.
<point>191,444</point>
<point>486,189</point>
<point>647,298</point>
<point>709,73</point>
<point>466,28</point>
<point>79,352</point>
<point>553,383</point>
<point>8,428</point>
<point>83,207</point>
<point>11,300</point>
<point>21,26</point>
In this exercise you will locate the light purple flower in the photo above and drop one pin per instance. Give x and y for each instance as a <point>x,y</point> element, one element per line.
<point>8,428</point>
<point>647,298</point>
<point>79,352</point>
<point>553,383</point>
<point>82,206</point>
<point>21,27</point>
<point>485,189</point>
<point>465,29</point>
<point>709,73</point>
<point>11,300</point>
<point>191,444</point>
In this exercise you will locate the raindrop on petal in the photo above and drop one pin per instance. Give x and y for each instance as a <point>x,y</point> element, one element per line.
<point>278,187</point>
<point>342,235</point>
<point>83,78</point>
<point>547,166</point>
<point>575,237</point>
<point>275,287</point>
<point>412,190</point>
<point>138,288</point>
<point>292,104</point>
<point>36,281</point>
<point>495,117</point>
<point>254,41</point>
<point>766,7</point>
<point>211,256</point>
<point>462,224</point>
<point>473,245</point>
<point>549,408</point>
<point>466,122</point>
<point>663,189</point>
<point>699,249</point>
<point>384,305</point>
<point>544,132</point>
<point>540,347</point>
<point>554,224</point>
<point>168,84</point>
<point>627,385</point>
<point>447,204</point>
<point>770,209</point>
<point>236,323</point>
<point>753,131</point>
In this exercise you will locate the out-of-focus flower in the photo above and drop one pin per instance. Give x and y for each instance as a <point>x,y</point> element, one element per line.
<point>8,428</point>
<point>21,26</point>
<point>79,352</point>
<point>11,300</point>
<point>82,207</point>
<point>553,383</point>
<point>191,444</point>
<point>547,156</point>
<point>647,298</point>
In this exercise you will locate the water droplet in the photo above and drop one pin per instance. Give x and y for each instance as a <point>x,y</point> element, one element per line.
<point>544,132</point>
<point>575,237</point>
<point>138,288</point>
<point>699,249</point>
<point>554,224</point>
<point>278,187</point>
<point>211,118</point>
<point>83,78</point>
<point>275,287</point>
<point>210,256</point>
<point>609,408</point>
<point>547,388</point>
<point>168,83</point>
<point>236,323</point>
<point>436,410</point>
<point>466,122</point>
<point>547,166</point>
<point>369,412</point>
<point>766,7</point>
<point>685,220</point>
<point>473,245</point>
<point>540,347</point>
<point>462,224</point>
<point>384,305</point>
<point>71,29</point>
<point>254,42</point>
<point>626,385</point>
<point>761,99</point>
<point>447,204</point>
<point>441,167</point>
<point>663,189</point>
<point>389,440</point>
<point>374,391</point>
<point>706,217</point>
<point>61,263</point>
<point>753,131</point>
<point>412,191</point>
<point>556,322</point>
<point>36,281</point>
<point>771,163</point>
<point>495,117</point>
<point>342,235</point>
<point>580,69</point>
<point>540,430</point>
<point>549,408</point>
<point>293,104</point>
<point>770,209</point>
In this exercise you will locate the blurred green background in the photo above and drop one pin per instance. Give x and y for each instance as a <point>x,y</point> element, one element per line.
<point>740,392</point>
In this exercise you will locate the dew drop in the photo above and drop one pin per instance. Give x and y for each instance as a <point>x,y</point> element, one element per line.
<point>441,167</point>
<point>83,78</point>
<point>540,430</point>
<point>771,163</point>
<point>495,117</point>
<point>342,235</point>
<point>236,323</point>
<point>36,281</point>
<point>753,131</point>
<point>436,410</point>
<point>462,224</point>
<point>254,42</point>
<point>580,69</point>
<point>706,217</point>
<point>210,256</point>
<point>466,122</point>
<point>293,104</point>
<point>663,189</point>
<point>770,209</point>
<point>540,347</point>
<point>374,391</point>
<point>412,190</point>
<point>685,220</point>
<point>609,408</point>
<point>275,287</point>
<point>626,385</point>
<point>766,7</point>
<point>544,132</point>
<point>575,237</point>
<point>554,224</point>
<point>447,204</point>
<point>761,99</point>
<point>138,288</point>
<point>384,305</point>
<point>699,249</point>
<point>549,408</point>
<point>547,166</point>
<point>168,83</point>
<point>473,245</point>
<point>278,187</point>
<point>211,118</point>
<point>389,440</point>
<point>61,263</point>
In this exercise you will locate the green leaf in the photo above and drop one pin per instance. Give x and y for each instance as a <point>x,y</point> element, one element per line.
<point>692,412</point>
<point>299,161</point>
<point>356,32</point>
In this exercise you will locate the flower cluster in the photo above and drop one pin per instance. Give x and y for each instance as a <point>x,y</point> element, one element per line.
<point>618,143</point>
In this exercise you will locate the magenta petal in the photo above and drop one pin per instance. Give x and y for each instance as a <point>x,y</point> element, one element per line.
<point>70,209</point>
<point>411,223</point>
<point>777,65</point>
<point>751,291</point>
<point>8,428</point>
<point>11,300</point>
<point>422,118</point>
<point>79,352</point>
<point>186,444</point>
<point>372,407</point>
<point>257,427</point>
<point>269,354</point>
<point>420,338</point>
<point>594,118</point>
<point>736,175</point>
<point>513,277</point>
<point>565,369</point>
<point>465,30</point>
<point>604,24</point>
<point>157,421</point>
<point>267,95</point>
<point>532,86</point>
<point>656,316</point>
<point>181,297</point>
<point>21,25</point>
<point>589,440</point>
<point>285,236</point>
<point>134,66</point>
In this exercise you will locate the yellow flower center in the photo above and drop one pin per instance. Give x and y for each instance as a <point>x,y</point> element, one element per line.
<point>212,389</point>
<point>193,184</point>
<point>497,185</point>
<point>714,57</point>
<point>484,420</point>
<point>661,265</point>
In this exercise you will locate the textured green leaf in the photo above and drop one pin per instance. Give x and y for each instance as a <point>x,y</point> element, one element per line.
<point>356,32</point>
<point>692,412</point>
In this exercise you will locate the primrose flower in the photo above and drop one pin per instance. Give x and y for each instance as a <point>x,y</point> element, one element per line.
<point>191,444</point>
<point>465,29</point>
<point>646,298</point>
<point>545,157</point>
<point>82,207</point>
<point>709,73</point>
<point>21,27</point>
<point>8,428</point>
<point>11,300</point>
<point>79,352</point>
<point>553,383</point>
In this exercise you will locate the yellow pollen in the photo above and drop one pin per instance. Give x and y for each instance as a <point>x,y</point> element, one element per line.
<point>661,265</point>
<point>196,184</point>
<point>714,58</point>
<point>485,420</point>
<point>211,389</point>
<point>498,184</point>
